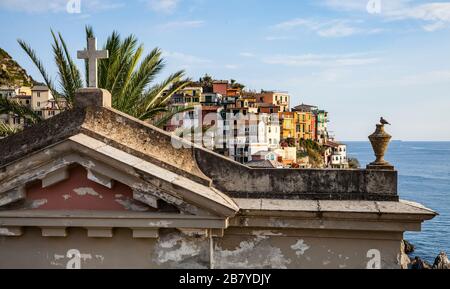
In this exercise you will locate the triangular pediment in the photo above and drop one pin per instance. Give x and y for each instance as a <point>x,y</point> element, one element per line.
<point>84,174</point>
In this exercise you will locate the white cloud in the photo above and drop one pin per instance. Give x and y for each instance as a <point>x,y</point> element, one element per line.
<point>426,78</point>
<point>165,6</point>
<point>436,15</point>
<point>427,12</point>
<point>434,26</point>
<point>181,25</point>
<point>322,60</point>
<point>331,28</point>
<point>185,58</point>
<point>361,5</point>
<point>57,6</point>
<point>338,30</point>
<point>298,22</point>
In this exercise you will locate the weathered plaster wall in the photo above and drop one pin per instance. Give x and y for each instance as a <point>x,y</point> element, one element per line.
<point>316,184</point>
<point>249,248</point>
<point>281,249</point>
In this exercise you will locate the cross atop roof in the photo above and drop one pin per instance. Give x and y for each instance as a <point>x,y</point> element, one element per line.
<point>92,54</point>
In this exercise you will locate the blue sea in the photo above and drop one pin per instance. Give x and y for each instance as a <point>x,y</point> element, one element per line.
<point>424,177</point>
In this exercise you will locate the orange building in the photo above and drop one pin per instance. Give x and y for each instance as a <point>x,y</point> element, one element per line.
<point>278,98</point>
<point>220,87</point>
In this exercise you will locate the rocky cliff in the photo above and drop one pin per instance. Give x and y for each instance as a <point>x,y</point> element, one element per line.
<point>11,73</point>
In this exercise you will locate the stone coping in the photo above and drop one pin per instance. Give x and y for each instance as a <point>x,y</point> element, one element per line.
<point>323,206</point>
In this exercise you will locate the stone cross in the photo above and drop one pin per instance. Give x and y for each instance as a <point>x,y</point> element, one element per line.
<point>92,54</point>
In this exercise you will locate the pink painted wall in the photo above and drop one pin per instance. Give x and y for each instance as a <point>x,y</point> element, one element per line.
<point>80,193</point>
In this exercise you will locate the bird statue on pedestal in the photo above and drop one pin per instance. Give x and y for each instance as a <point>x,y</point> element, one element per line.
<point>383,121</point>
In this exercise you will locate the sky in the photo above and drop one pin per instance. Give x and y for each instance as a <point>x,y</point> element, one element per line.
<point>357,59</point>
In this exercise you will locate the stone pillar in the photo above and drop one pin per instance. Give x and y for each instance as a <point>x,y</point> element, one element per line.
<point>86,97</point>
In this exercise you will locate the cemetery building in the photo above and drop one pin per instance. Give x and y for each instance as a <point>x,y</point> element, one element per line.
<point>95,188</point>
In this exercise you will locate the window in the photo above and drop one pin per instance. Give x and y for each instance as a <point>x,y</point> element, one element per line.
<point>38,104</point>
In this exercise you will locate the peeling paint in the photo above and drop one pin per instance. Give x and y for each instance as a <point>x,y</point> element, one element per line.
<point>131,205</point>
<point>300,247</point>
<point>90,165</point>
<point>255,253</point>
<point>38,203</point>
<point>266,233</point>
<point>197,233</point>
<point>275,222</point>
<point>6,232</point>
<point>58,257</point>
<point>87,191</point>
<point>160,224</point>
<point>97,178</point>
<point>53,263</point>
<point>86,257</point>
<point>181,252</point>
<point>100,258</point>
<point>66,197</point>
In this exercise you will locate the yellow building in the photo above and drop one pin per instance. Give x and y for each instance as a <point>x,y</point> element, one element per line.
<point>188,96</point>
<point>303,127</point>
<point>287,123</point>
<point>24,90</point>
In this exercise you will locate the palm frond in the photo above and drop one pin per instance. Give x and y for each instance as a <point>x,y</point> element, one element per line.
<point>8,106</point>
<point>65,76</point>
<point>7,130</point>
<point>175,88</point>
<point>156,95</point>
<point>75,73</point>
<point>32,54</point>
<point>149,68</point>
<point>168,115</point>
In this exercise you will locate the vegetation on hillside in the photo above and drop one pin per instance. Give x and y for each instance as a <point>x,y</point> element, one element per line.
<point>11,73</point>
<point>353,163</point>
<point>314,151</point>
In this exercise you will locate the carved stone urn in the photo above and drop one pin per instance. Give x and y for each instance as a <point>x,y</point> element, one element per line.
<point>380,141</point>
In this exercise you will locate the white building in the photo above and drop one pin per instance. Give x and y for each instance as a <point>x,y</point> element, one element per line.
<point>43,102</point>
<point>245,136</point>
<point>338,155</point>
<point>272,128</point>
<point>19,94</point>
<point>8,91</point>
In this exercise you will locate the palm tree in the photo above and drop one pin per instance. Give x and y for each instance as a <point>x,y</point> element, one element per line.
<point>129,77</point>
